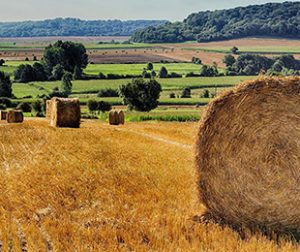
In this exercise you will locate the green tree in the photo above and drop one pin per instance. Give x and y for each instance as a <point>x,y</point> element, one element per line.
<point>103,106</point>
<point>24,73</point>
<point>5,85</point>
<point>92,106</point>
<point>57,72</point>
<point>186,93</point>
<point>150,66</point>
<point>39,72</point>
<point>234,50</point>
<point>37,107</point>
<point>2,62</point>
<point>77,75</point>
<point>163,72</point>
<point>209,71</point>
<point>141,95</point>
<point>229,60</point>
<point>67,54</point>
<point>67,83</point>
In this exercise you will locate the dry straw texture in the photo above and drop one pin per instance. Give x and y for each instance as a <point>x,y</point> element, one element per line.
<point>114,118</point>
<point>122,117</point>
<point>3,115</point>
<point>15,116</point>
<point>248,155</point>
<point>64,112</point>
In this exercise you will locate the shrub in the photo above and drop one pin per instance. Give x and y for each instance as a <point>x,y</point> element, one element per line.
<point>24,106</point>
<point>163,72</point>
<point>205,94</point>
<point>141,95</point>
<point>5,85</point>
<point>108,92</point>
<point>172,95</point>
<point>103,106</point>
<point>92,105</point>
<point>186,93</point>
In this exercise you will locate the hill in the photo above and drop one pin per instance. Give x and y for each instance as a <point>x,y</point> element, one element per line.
<point>74,27</point>
<point>270,20</point>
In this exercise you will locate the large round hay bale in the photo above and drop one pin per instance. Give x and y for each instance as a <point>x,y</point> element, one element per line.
<point>122,117</point>
<point>15,116</point>
<point>3,115</point>
<point>114,118</point>
<point>248,155</point>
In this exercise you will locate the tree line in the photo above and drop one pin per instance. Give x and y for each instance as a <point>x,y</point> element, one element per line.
<point>272,19</point>
<point>74,27</point>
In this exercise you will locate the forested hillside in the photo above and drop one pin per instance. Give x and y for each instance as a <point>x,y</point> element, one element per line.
<point>74,27</point>
<point>272,20</point>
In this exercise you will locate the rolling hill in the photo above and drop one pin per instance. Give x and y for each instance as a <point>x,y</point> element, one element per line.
<point>267,20</point>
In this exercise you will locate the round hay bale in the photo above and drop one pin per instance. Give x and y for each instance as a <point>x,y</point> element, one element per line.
<point>15,116</point>
<point>248,155</point>
<point>122,117</point>
<point>114,118</point>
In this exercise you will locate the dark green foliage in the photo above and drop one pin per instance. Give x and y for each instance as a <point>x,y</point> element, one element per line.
<point>77,75</point>
<point>172,95</point>
<point>2,62</point>
<point>196,60</point>
<point>153,74</point>
<point>250,64</point>
<point>39,72</point>
<point>103,106</point>
<point>66,54</point>
<point>74,27</point>
<point>146,75</point>
<point>57,72</point>
<point>57,93</point>
<point>5,101</point>
<point>24,73</point>
<point>67,83</point>
<point>37,107</point>
<point>234,50</point>
<point>92,105</point>
<point>101,76</point>
<point>209,71</point>
<point>108,92</point>
<point>186,93</point>
<point>229,60</point>
<point>5,85</point>
<point>150,66</point>
<point>24,106</point>
<point>141,95</point>
<point>205,94</point>
<point>272,19</point>
<point>163,72</point>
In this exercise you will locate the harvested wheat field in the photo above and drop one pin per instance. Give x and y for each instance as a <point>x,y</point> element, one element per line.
<point>103,188</point>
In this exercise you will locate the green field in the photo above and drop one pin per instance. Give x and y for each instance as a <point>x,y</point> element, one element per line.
<point>137,69</point>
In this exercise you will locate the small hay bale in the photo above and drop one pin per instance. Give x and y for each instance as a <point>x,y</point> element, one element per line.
<point>122,117</point>
<point>3,115</point>
<point>15,116</point>
<point>248,155</point>
<point>64,112</point>
<point>48,109</point>
<point>114,118</point>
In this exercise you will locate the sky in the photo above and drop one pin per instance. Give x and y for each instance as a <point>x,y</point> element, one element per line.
<point>173,10</point>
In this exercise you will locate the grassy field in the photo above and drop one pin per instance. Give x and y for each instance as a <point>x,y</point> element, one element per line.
<point>137,69</point>
<point>103,188</point>
<point>93,86</point>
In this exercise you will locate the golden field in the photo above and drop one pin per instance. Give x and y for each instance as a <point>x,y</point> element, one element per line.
<point>103,188</point>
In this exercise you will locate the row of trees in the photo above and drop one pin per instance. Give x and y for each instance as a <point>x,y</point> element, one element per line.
<point>272,19</point>
<point>59,58</point>
<point>250,64</point>
<point>74,27</point>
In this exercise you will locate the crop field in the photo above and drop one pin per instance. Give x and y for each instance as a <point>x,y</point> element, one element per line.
<point>103,188</point>
<point>19,49</point>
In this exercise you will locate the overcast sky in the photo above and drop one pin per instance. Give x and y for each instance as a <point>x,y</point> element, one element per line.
<point>15,10</point>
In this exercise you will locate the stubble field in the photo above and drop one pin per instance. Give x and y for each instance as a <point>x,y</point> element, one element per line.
<point>103,188</point>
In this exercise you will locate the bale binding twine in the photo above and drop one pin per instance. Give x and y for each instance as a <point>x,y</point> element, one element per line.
<point>248,155</point>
